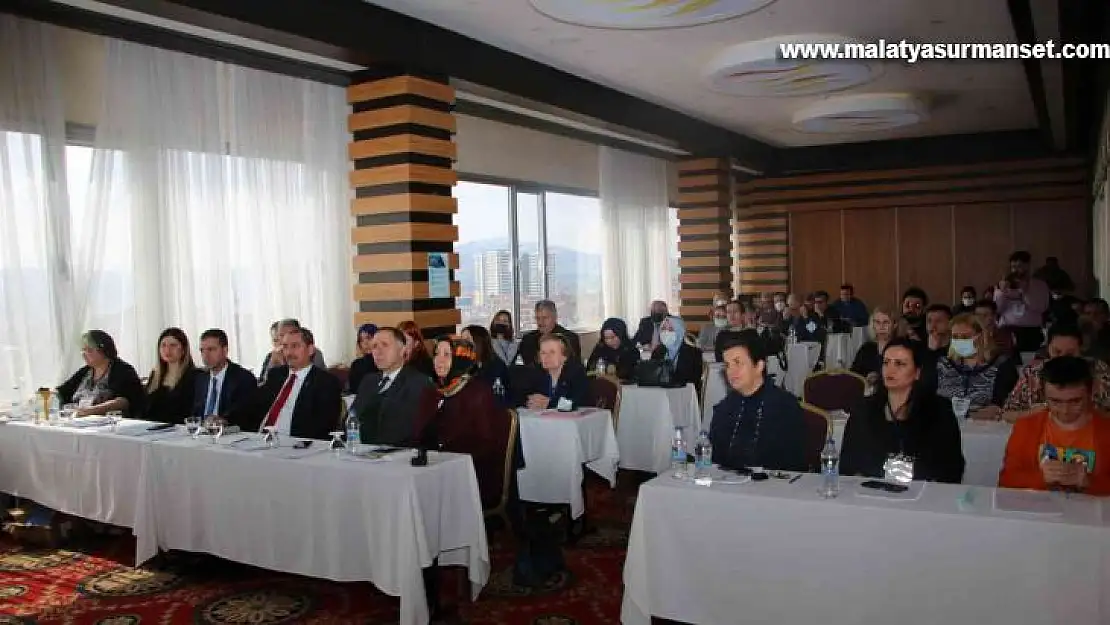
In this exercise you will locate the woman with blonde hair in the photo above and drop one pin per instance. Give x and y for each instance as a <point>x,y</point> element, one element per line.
<point>973,375</point>
<point>885,325</point>
<point>173,380</point>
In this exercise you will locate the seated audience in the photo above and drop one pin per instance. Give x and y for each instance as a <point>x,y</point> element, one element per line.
<point>1022,301</point>
<point>869,358</point>
<point>972,370</point>
<point>416,349</point>
<point>105,383</point>
<point>757,423</point>
<point>806,326</point>
<point>938,328</point>
<point>1065,446</point>
<point>914,301</point>
<point>275,358</point>
<point>686,361</point>
<point>562,382</point>
<point>547,322</point>
<point>851,308</point>
<point>222,388</point>
<point>172,385</point>
<point>902,418</point>
<point>648,331</point>
<point>967,301</point>
<point>298,399</point>
<point>461,415</point>
<point>616,349</point>
<point>734,318</point>
<point>1028,394</point>
<point>1054,276</point>
<point>488,366</point>
<point>826,316</point>
<point>387,401</point>
<point>364,364</point>
<point>1002,338</point>
<point>707,337</point>
<point>767,314</point>
<point>501,334</point>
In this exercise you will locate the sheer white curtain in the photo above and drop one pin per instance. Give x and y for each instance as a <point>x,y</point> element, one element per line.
<point>225,191</point>
<point>636,265</point>
<point>35,255</point>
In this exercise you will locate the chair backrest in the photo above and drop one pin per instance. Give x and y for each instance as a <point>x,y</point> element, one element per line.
<point>705,372</point>
<point>510,453</point>
<point>605,393</point>
<point>837,389</point>
<point>817,433</point>
<point>342,374</point>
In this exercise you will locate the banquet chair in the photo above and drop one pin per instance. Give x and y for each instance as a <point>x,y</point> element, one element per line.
<point>836,389</point>
<point>341,374</point>
<point>818,427</point>
<point>605,393</point>
<point>501,510</point>
<point>705,373</point>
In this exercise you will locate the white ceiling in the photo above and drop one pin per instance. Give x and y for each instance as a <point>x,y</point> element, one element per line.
<point>665,66</point>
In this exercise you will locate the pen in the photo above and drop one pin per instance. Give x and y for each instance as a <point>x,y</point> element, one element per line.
<point>795,478</point>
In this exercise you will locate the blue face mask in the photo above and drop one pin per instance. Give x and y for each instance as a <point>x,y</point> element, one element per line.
<point>964,348</point>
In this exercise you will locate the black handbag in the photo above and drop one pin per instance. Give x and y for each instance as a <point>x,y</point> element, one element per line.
<point>656,372</point>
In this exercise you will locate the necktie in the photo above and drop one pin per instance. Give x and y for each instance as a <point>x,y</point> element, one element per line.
<point>279,403</point>
<point>382,384</point>
<point>213,399</point>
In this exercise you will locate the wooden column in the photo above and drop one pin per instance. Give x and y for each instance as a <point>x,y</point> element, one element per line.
<point>762,238</point>
<point>704,235</point>
<point>403,156</point>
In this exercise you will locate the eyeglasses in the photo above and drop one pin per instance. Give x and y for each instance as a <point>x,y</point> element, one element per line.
<point>1074,402</point>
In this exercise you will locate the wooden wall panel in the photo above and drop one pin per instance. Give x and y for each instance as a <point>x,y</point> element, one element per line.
<point>1061,229</point>
<point>871,255</point>
<point>818,261</point>
<point>982,245</point>
<point>925,250</point>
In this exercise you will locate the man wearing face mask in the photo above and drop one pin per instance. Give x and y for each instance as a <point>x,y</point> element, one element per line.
<point>708,334</point>
<point>1022,301</point>
<point>648,332</point>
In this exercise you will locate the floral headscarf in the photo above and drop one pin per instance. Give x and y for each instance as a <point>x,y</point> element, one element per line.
<point>463,362</point>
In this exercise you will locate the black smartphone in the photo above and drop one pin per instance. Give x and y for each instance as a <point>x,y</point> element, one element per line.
<point>887,486</point>
<point>302,445</point>
<point>759,476</point>
<point>160,426</point>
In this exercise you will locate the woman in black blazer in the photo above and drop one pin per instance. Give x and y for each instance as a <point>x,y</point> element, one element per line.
<point>681,351</point>
<point>490,367</point>
<point>172,384</point>
<point>562,380</point>
<point>364,364</point>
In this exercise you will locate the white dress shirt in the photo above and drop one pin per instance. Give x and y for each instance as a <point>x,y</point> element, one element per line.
<point>285,417</point>
<point>217,379</point>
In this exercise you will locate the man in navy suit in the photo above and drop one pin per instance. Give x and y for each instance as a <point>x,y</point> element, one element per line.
<point>224,388</point>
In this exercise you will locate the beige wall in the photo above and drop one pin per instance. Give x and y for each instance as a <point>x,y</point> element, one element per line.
<point>491,148</point>
<point>81,56</point>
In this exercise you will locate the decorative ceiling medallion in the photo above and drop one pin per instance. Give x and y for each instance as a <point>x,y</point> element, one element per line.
<point>641,14</point>
<point>757,69</point>
<point>865,112</point>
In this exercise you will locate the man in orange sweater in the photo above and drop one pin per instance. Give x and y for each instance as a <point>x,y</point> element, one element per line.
<point>1064,447</point>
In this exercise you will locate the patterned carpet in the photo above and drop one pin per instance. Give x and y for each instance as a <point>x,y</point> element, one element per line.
<point>89,583</point>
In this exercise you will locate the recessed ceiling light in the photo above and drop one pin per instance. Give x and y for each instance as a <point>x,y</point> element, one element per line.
<point>866,112</point>
<point>756,69</point>
<point>641,14</point>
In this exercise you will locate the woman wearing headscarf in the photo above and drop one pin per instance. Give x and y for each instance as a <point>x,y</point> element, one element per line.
<point>364,364</point>
<point>106,382</point>
<point>680,351</point>
<point>461,415</point>
<point>616,349</point>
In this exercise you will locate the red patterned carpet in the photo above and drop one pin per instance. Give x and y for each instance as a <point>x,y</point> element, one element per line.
<point>91,584</point>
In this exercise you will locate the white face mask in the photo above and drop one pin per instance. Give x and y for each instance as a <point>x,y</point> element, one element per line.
<point>780,306</point>
<point>969,301</point>
<point>720,322</point>
<point>667,337</point>
<point>719,302</point>
<point>964,348</point>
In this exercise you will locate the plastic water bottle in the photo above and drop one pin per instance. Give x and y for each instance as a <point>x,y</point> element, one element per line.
<point>601,366</point>
<point>498,389</point>
<point>353,426</point>
<point>678,455</point>
<point>792,337</point>
<point>830,470</point>
<point>703,456</point>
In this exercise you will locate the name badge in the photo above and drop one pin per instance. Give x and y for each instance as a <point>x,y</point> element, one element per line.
<point>564,405</point>
<point>86,402</point>
<point>898,469</point>
<point>812,327</point>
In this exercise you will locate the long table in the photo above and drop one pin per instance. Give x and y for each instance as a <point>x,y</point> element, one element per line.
<point>773,552</point>
<point>337,518</point>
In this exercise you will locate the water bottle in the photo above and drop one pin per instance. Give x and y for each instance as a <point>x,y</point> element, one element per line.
<point>498,389</point>
<point>703,456</point>
<point>353,427</point>
<point>792,337</point>
<point>678,455</point>
<point>830,470</point>
<point>601,366</point>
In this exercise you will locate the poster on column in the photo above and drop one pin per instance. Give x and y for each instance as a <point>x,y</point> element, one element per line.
<point>439,276</point>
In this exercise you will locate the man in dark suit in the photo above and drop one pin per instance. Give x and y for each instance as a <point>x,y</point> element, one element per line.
<point>648,332</point>
<point>387,401</point>
<point>546,323</point>
<point>300,399</point>
<point>223,388</point>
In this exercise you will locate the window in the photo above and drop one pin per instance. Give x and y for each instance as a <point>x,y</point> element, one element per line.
<point>519,244</point>
<point>676,278</point>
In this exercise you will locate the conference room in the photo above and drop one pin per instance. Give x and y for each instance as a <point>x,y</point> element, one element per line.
<point>495,311</point>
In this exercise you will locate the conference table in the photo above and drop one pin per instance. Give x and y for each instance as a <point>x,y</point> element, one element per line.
<point>308,512</point>
<point>771,552</point>
<point>648,418</point>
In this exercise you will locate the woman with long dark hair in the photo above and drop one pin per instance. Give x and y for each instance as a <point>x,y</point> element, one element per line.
<point>416,351</point>
<point>364,364</point>
<point>903,420</point>
<point>489,367</point>
<point>172,383</point>
<point>501,336</point>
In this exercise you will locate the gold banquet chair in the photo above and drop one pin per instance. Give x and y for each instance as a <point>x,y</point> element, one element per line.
<point>605,391</point>
<point>501,510</point>
<point>835,389</point>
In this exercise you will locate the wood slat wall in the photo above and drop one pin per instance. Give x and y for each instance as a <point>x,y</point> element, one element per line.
<point>939,228</point>
<point>704,235</point>
<point>403,155</point>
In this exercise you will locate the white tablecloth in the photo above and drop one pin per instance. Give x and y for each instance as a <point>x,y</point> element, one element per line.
<point>984,445</point>
<point>716,388</point>
<point>801,358</point>
<point>648,418</point>
<point>838,351</point>
<point>771,552</point>
<point>555,448</point>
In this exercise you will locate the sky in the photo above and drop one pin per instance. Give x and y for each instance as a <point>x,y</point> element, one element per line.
<point>573,221</point>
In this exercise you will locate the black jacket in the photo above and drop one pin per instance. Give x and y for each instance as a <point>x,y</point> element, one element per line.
<point>573,384</point>
<point>623,359</point>
<point>123,382</point>
<point>931,435</point>
<point>688,366</point>
<point>770,423</point>
<point>389,418</point>
<point>493,371</point>
<point>646,332</point>
<point>172,405</point>
<point>360,368</point>
<point>318,410</point>
<point>237,394</point>
<point>530,346</point>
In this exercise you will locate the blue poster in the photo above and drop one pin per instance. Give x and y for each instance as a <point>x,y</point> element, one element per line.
<point>439,276</point>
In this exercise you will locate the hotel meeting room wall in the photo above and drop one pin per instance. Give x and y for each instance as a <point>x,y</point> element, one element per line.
<point>937,228</point>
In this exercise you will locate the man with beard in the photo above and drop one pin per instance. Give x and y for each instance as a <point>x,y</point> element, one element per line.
<point>1022,301</point>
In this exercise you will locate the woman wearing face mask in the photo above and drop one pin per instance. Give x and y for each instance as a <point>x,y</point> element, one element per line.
<point>707,337</point>
<point>616,349</point>
<point>967,301</point>
<point>501,332</point>
<point>972,375</point>
<point>685,359</point>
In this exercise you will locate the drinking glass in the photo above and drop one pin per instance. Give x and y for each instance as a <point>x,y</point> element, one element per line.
<point>114,417</point>
<point>271,438</point>
<point>192,426</point>
<point>215,427</point>
<point>337,445</point>
<point>961,406</point>
<point>69,411</point>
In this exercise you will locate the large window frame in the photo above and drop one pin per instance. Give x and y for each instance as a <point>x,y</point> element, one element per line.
<point>516,188</point>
